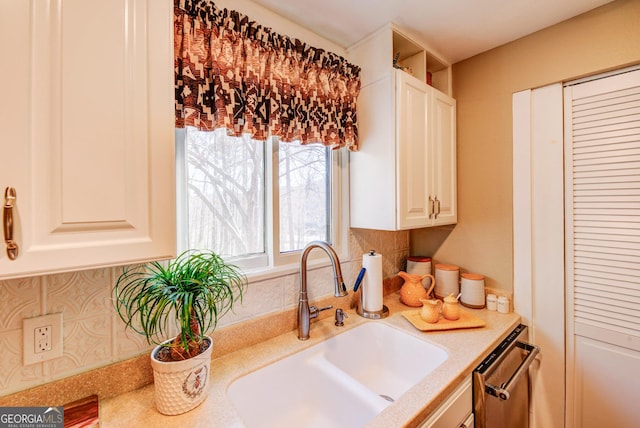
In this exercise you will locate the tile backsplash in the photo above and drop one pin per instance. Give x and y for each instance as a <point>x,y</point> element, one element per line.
<point>94,336</point>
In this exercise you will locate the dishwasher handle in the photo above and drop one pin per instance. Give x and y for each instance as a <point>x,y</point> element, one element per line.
<point>504,390</point>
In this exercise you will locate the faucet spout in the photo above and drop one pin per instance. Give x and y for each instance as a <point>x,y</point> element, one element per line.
<point>306,313</point>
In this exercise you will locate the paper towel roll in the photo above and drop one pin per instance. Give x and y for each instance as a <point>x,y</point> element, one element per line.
<point>372,284</point>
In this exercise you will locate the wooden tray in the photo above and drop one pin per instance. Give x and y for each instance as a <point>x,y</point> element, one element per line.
<point>466,320</point>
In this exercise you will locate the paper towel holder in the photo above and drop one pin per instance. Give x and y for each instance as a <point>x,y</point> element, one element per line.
<point>360,310</point>
<point>373,315</point>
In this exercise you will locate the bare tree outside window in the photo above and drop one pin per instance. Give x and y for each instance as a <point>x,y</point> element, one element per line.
<point>226,191</point>
<point>304,194</point>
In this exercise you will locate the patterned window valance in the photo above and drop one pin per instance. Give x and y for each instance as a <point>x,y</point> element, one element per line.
<point>233,73</point>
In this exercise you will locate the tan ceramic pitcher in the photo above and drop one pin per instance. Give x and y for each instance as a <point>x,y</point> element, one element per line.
<point>430,311</point>
<point>412,290</point>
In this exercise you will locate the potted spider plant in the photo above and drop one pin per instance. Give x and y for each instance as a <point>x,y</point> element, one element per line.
<point>191,292</point>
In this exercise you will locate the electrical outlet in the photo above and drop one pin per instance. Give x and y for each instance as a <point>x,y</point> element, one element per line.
<point>42,337</point>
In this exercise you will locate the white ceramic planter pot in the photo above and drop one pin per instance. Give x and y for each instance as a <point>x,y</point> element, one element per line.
<point>181,385</point>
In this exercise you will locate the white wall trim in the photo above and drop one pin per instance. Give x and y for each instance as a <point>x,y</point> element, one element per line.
<point>538,245</point>
<point>522,286</point>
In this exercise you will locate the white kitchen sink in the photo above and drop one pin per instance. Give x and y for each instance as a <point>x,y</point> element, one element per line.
<point>343,381</point>
<point>386,360</point>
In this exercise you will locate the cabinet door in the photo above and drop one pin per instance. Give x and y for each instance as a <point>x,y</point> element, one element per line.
<point>443,162</point>
<point>89,133</point>
<point>455,411</point>
<point>14,113</point>
<point>372,173</point>
<point>412,135</point>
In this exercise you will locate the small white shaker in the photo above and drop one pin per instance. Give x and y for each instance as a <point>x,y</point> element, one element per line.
<point>492,302</point>
<point>503,305</point>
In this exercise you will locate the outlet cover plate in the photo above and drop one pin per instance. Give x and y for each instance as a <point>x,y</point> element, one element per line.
<point>29,328</point>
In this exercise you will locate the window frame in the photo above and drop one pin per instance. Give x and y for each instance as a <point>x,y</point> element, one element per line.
<point>273,263</point>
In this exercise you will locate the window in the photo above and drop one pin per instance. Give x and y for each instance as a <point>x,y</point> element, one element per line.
<point>225,193</point>
<point>257,203</point>
<point>304,188</point>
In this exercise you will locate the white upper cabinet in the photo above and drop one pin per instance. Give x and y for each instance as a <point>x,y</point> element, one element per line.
<point>412,152</point>
<point>404,176</point>
<point>87,133</point>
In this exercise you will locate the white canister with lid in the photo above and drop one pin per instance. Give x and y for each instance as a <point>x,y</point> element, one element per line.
<point>472,290</point>
<point>419,265</point>
<point>503,305</point>
<point>492,302</point>
<point>447,280</point>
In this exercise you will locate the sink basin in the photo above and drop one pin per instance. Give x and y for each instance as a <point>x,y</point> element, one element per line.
<point>384,359</point>
<point>302,391</point>
<point>343,381</point>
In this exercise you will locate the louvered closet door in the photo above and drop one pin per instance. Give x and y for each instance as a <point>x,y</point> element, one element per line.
<point>602,125</point>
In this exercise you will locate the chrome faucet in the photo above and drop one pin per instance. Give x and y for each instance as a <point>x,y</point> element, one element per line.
<point>306,313</point>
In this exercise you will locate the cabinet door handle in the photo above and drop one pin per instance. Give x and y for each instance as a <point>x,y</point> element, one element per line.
<point>7,221</point>
<point>432,205</point>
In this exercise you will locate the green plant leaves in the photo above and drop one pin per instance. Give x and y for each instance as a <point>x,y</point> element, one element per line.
<point>193,291</point>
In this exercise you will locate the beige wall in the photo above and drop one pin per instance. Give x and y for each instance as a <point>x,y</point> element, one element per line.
<point>600,40</point>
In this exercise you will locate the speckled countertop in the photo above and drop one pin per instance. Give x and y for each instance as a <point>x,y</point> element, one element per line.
<point>466,349</point>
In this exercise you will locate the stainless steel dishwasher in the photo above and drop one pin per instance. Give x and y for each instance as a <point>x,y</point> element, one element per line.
<point>501,390</point>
